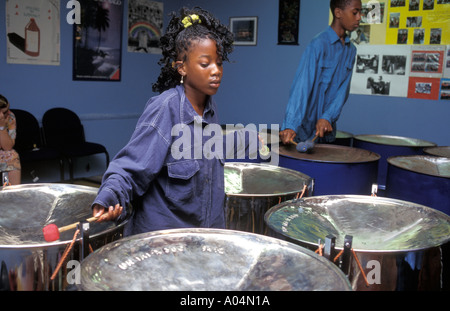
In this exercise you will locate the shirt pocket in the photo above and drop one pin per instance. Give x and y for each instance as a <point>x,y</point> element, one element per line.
<point>181,181</point>
<point>327,71</point>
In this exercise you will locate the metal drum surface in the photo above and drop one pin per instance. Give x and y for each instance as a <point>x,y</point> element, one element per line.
<point>343,139</point>
<point>420,179</point>
<point>335,169</point>
<point>387,146</point>
<point>252,189</point>
<point>441,151</point>
<point>400,245</point>
<point>27,260</point>
<point>207,260</point>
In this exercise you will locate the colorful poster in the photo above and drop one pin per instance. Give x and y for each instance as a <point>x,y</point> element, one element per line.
<point>427,61</point>
<point>424,88</point>
<point>447,63</point>
<point>98,41</point>
<point>145,26</point>
<point>418,22</point>
<point>445,89</point>
<point>33,32</point>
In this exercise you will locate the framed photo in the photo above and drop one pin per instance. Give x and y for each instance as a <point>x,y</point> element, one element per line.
<point>245,30</point>
<point>97,41</point>
<point>288,22</point>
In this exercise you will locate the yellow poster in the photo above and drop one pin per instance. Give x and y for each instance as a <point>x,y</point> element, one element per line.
<point>407,22</point>
<point>418,22</point>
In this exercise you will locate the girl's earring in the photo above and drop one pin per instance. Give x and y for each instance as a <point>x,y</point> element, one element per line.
<point>182,80</point>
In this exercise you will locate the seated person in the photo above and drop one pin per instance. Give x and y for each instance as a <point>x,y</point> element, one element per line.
<point>9,158</point>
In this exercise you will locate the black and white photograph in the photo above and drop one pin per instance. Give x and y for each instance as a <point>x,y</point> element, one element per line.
<point>394,64</point>
<point>378,86</point>
<point>367,64</point>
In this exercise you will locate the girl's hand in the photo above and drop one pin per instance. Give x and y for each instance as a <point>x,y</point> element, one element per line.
<point>104,214</point>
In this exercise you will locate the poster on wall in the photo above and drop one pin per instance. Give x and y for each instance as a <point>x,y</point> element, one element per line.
<point>424,88</point>
<point>445,89</point>
<point>418,22</point>
<point>381,71</point>
<point>33,32</point>
<point>427,61</point>
<point>288,22</point>
<point>97,41</point>
<point>145,26</point>
<point>447,63</point>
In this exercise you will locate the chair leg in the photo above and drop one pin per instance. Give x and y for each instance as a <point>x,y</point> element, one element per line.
<point>61,169</point>
<point>70,169</point>
<point>107,159</point>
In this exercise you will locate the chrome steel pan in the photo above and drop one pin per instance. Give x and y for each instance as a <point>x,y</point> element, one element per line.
<point>395,233</point>
<point>252,189</point>
<point>27,260</point>
<point>207,260</point>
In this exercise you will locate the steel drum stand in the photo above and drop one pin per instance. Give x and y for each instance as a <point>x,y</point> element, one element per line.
<point>344,257</point>
<point>84,232</point>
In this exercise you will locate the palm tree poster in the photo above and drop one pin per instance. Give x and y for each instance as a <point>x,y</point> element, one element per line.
<point>98,41</point>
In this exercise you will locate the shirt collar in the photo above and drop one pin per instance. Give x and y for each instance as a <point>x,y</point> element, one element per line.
<point>187,112</point>
<point>333,37</point>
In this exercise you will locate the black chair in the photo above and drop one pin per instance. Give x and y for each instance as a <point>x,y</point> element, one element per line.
<point>62,129</point>
<point>29,142</point>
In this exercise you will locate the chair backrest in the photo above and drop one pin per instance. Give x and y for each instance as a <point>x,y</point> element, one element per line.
<point>28,131</point>
<point>62,127</point>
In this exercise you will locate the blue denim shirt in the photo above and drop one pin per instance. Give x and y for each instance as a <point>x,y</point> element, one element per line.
<point>166,191</point>
<point>321,85</point>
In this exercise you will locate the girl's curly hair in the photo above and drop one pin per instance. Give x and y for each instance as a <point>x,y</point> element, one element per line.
<point>177,40</point>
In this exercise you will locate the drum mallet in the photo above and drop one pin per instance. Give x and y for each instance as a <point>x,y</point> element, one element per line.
<point>51,231</point>
<point>305,146</point>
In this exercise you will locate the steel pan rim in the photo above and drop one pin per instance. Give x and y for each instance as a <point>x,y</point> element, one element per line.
<point>301,175</point>
<point>377,157</point>
<point>391,162</point>
<point>366,138</point>
<point>359,250</point>
<point>434,151</point>
<point>57,243</point>
<point>185,232</point>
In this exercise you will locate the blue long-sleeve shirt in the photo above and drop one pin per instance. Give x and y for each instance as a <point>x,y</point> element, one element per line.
<point>321,85</point>
<point>166,189</point>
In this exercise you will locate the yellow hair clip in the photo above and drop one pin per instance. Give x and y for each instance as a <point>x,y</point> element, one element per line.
<point>189,20</point>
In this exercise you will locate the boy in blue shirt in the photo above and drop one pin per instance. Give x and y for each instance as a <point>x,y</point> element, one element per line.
<point>322,82</point>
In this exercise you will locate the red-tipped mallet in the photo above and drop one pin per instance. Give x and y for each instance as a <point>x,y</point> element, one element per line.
<point>51,231</point>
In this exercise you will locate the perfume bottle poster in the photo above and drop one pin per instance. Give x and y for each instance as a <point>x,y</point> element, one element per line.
<point>33,32</point>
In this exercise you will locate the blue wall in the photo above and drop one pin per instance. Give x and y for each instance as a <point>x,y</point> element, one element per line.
<point>255,88</point>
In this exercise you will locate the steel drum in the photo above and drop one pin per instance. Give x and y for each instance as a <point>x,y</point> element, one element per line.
<point>388,146</point>
<point>252,189</point>
<point>343,139</point>
<point>335,169</point>
<point>441,151</point>
<point>27,260</point>
<point>420,179</point>
<point>207,260</point>
<point>400,245</point>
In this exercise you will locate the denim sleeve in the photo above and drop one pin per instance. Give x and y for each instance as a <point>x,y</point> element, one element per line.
<point>300,90</point>
<point>133,168</point>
